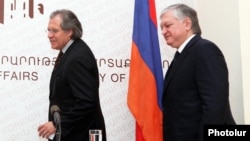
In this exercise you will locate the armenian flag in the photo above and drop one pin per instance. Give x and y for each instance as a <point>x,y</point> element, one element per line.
<point>145,74</point>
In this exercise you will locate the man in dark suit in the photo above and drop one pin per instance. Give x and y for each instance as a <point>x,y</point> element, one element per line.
<point>196,87</point>
<point>74,84</point>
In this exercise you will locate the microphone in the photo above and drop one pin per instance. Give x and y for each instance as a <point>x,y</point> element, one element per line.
<point>55,111</point>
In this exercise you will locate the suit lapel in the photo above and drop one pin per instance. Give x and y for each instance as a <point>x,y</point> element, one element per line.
<point>172,70</point>
<point>59,69</point>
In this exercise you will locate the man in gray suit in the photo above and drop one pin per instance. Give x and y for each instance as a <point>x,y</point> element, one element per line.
<point>196,87</point>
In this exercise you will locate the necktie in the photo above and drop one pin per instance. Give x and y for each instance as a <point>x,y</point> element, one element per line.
<point>176,55</point>
<point>58,59</point>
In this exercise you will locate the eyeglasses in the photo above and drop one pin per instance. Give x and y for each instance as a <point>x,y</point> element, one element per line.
<point>52,31</point>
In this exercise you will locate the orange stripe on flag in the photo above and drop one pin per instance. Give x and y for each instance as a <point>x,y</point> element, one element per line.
<point>142,98</point>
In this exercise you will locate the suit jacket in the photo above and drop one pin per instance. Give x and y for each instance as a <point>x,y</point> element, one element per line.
<point>196,92</point>
<point>74,88</point>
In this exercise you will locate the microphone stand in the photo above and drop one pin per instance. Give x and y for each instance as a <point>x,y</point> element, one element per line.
<point>58,132</point>
<point>55,111</point>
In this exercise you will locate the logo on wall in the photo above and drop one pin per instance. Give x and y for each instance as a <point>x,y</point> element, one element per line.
<point>27,7</point>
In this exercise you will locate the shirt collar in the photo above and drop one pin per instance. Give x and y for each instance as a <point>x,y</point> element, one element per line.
<point>183,45</point>
<point>67,46</point>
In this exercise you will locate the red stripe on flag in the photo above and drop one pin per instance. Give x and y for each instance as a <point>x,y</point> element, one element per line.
<point>152,11</point>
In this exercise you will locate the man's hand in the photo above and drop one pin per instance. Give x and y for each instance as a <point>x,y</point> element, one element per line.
<point>46,129</point>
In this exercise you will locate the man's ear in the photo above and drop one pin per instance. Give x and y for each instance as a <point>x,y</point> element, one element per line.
<point>188,23</point>
<point>70,32</point>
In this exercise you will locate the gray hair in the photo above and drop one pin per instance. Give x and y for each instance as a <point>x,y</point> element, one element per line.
<point>182,11</point>
<point>69,21</point>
